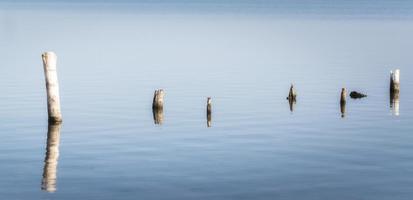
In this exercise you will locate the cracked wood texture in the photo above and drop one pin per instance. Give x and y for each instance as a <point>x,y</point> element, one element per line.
<point>52,86</point>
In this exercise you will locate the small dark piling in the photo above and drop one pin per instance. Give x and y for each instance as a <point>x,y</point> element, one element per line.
<point>343,95</point>
<point>157,116</point>
<point>395,103</point>
<point>292,95</point>
<point>291,103</point>
<point>157,106</point>
<point>395,81</point>
<point>158,99</point>
<point>395,92</point>
<point>209,111</point>
<point>343,102</point>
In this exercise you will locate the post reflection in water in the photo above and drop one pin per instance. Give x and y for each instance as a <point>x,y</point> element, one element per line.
<point>395,103</point>
<point>157,115</point>
<point>51,158</point>
<point>343,109</point>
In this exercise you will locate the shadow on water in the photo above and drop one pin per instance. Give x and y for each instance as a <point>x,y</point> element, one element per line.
<point>157,115</point>
<point>51,158</point>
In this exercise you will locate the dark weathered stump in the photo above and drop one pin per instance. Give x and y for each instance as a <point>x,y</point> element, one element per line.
<point>395,103</point>
<point>395,81</point>
<point>158,99</point>
<point>209,111</point>
<point>157,106</point>
<point>291,103</point>
<point>292,95</point>
<point>395,91</point>
<point>343,95</point>
<point>343,102</point>
<point>157,115</point>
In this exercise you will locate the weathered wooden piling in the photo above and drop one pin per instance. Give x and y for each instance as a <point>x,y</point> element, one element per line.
<point>51,158</point>
<point>395,91</point>
<point>52,87</point>
<point>209,105</point>
<point>158,99</point>
<point>395,81</point>
<point>343,102</point>
<point>292,95</point>
<point>157,106</point>
<point>395,104</point>
<point>209,120</point>
<point>209,111</point>
<point>291,103</point>
<point>343,95</point>
<point>157,115</point>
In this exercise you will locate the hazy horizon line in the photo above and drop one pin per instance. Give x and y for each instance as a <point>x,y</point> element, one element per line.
<point>318,8</point>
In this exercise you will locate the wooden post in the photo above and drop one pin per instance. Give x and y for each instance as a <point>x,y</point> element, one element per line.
<point>395,91</point>
<point>292,95</point>
<point>157,106</point>
<point>209,111</point>
<point>291,103</point>
<point>343,95</point>
<point>52,154</point>
<point>52,86</point>
<point>158,99</point>
<point>395,81</point>
<point>395,104</point>
<point>157,115</point>
<point>343,102</point>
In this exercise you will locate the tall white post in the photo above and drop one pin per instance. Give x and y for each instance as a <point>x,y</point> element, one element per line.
<point>52,87</point>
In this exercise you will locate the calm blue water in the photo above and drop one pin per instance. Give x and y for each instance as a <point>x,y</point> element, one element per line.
<point>111,61</point>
